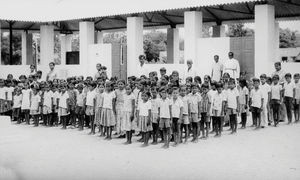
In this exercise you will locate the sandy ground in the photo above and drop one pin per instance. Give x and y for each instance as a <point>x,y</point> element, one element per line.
<point>51,153</point>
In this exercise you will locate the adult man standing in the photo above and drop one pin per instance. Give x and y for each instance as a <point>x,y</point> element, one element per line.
<point>232,66</point>
<point>217,69</point>
<point>279,72</point>
<point>190,72</point>
<point>52,73</point>
<point>141,70</point>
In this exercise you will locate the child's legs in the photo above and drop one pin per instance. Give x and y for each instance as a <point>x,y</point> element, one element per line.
<point>296,111</point>
<point>288,106</point>
<point>244,119</point>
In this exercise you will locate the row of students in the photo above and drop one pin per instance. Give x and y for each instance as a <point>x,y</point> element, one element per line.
<point>138,107</point>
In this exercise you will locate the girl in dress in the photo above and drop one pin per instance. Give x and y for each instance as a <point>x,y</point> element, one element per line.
<point>35,104</point>
<point>98,109</point>
<point>108,109</point>
<point>128,113</point>
<point>17,102</point>
<point>25,107</point>
<point>120,92</point>
<point>244,93</point>
<point>63,105</point>
<point>144,117</point>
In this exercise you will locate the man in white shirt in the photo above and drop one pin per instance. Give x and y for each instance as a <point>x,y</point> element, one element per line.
<point>190,72</point>
<point>141,70</point>
<point>98,73</point>
<point>52,74</point>
<point>232,66</point>
<point>217,69</point>
<point>279,72</point>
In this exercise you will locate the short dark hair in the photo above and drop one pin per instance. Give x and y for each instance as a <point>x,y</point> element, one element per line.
<point>255,80</point>
<point>52,63</point>
<point>288,75</point>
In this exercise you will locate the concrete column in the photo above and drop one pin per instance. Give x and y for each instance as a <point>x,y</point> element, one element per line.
<point>173,45</point>
<point>192,31</point>
<point>27,56</point>
<point>66,46</point>
<point>277,42</point>
<point>264,39</point>
<point>99,37</point>
<point>47,44</point>
<point>86,38</point>
<point>218,31</point>
<point>0,43</point>
<point>134,43</point>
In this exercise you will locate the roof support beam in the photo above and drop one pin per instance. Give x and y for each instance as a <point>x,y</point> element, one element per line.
<point>10,42</point>
<point>28,27</point>
<point>221,8</point>
<point>289,2</point>
<point>218,20</point>
<point>98,21</point>
<point>173,24</point>
<point>251,10</point>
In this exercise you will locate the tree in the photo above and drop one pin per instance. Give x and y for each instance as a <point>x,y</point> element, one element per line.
<point>287,38</point>
<point>239,30</point>
<point>17,49</point>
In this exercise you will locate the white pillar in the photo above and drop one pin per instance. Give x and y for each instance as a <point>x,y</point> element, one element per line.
<point>173,45</point>
<point>0,43</point>
<point>192,31</point>
<point>66,46</point>
<point>277,42</point>
<point>99,37</point>
<point>218,31</point>
<point>264,39</point>
<point>47,44</point>
<point>27,48</point>
<point>86,38</point>
<point>134,43</point>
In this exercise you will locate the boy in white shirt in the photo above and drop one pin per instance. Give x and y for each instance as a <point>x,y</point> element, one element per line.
<point>289,95</point>
<point>232,105</point>
<point>218,103</point>
<point>297,97</point>
<point>177,110</point>
<point>194,109</point>
<point>17,102</point>
<point>276,98</point>
<point>165,116</point>
<point>91,105</point>
<point>63,105</point>
<point>256,103</point>
<point>47,105</point>
<point>185,113</point>
<point>266,90</point>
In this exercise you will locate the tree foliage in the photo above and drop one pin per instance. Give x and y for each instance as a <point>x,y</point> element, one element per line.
<point>287,38</point>
<point>239,30</point>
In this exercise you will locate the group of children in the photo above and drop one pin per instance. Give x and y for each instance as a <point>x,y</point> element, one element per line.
<point>153,107</point>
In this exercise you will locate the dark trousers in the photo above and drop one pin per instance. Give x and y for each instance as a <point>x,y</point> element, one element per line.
<point>256,115</point>
<point>288,102</point>
<point>218,124</point>
<point>233,122</point>
<point>275,105</point>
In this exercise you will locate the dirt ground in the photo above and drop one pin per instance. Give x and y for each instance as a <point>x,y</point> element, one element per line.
<point>29,153</point>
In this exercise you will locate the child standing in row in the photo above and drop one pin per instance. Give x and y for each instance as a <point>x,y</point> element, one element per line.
<point>205,110</point>
<point>256,103</point>
<point>17,102</point>
<point>144,117</point>
<point>243,98</point>
<point>218,105</point>
<point>177,111</point>
<point>35,104</point>
<point>154,116</point>
<point>276,98</point>
<point>194,108</point>
<point>63,105</point>
<point>129,109</point>
<point>80,106</point>
<point>91,105</point>
<point>108,109</point>
<point>232,104</point>
<point>297,97</point>
<point>289,95</point>
<point>26,98</point>
<point>185,113</point>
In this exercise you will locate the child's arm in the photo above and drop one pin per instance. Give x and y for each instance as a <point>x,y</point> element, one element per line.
<point>281,95</point>
<point>262,104</point>
<point>68,104</point>
<point>223,108</point>
<point>238,104</point>
<point>138,117</point>
<point>181,112</point>
<point>246,98</point>
<point>170,109</point>
<point>133,109</point>
<point>158,112</point>
<point>114,105</point>
<point>94,103</point>
<point>199,109</point>
<point>149,117</point>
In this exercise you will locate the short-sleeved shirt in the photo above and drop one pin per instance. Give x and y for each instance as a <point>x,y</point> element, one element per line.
<point>52,75</point>
<point>243,92</point>
<point>127,105</point>
<point>48,95</point>
<point>63,100</point>
<point>266,89</point>
<point>90,97</point>
<point>205,101</point>
<point>2,93</point>
<point>35,102</point>
<point>194,99</point>
<point>164,106</point>
<point>176,105</point>
<point>275,91</point>
<point>80,99</point>
<point>120,97</point>
<point>55,97</point>
<point>72,97</point>
<point>99,99</point>
<point>107,99</point>
<point>232,94</point>
<point>154,105</point>
<point>9,91</point>
<point>216,70</point>
<point>218,100</point>
<point>185,101</point>
<point>289,89</point>
<point>144,108</point>
<point>17,101</point>
<point>256,96</point>
<point>297,90</point>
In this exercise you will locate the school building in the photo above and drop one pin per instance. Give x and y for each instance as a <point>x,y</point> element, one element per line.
<point>92,18</point>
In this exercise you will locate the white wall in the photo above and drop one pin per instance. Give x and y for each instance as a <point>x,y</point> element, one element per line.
<point>206,49</point>
<point>99,53</point>
<point>64,71</point>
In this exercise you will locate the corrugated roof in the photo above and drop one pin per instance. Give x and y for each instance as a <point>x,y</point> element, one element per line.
<point>61,10</point>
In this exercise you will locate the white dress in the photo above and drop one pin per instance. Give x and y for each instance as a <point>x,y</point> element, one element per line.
<point>26,99</point>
